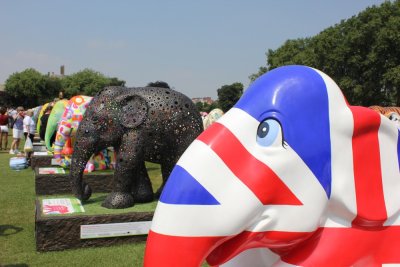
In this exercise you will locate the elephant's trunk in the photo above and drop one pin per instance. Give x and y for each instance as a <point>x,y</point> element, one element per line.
<point>79,160</point>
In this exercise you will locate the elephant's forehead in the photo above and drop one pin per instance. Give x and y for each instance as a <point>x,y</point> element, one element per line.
<point>297,97</point>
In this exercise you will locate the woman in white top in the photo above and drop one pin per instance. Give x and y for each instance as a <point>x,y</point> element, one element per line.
<point>29,125</point>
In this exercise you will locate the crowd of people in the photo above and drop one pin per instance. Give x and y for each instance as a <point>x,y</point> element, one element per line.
<point>17,122</point>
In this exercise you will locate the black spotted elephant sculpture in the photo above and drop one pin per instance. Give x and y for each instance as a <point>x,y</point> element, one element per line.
<point>142,124</point>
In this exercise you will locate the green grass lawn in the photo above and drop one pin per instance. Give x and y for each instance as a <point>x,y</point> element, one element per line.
<point>17,224</point>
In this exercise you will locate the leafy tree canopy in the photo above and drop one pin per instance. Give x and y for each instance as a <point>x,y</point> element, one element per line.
<point>114,81</point>
<point>362,55</point>
<point>30,88</point>
<point>228,95</point>
<point>158,84</point>
<point>203,106</point>
<point>84,82</point>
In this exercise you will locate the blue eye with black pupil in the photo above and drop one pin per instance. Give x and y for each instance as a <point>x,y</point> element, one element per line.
<point>263,130</point>
<point>268,132</point>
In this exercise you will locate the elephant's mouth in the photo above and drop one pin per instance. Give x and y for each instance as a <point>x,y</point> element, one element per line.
<point>227,250</point>
<point>277,241</point>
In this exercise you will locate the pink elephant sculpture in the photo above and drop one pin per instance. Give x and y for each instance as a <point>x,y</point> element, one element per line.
<point>292,175</point>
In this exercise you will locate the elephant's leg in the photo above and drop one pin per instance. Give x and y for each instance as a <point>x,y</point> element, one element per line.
<point>166,169</point>
<point>141,186</point>
<point>129,157</point>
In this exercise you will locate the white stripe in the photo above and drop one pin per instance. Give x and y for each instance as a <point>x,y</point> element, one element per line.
<point>256,257</point>
<point>387,135</point>
<point>342,204</point>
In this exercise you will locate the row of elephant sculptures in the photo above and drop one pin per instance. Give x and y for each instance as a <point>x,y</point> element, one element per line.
<point>63,122</point>
<point>291,176</point>
<point>140,124</point>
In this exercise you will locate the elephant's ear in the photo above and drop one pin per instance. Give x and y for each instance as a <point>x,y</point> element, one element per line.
<point>134,111</point>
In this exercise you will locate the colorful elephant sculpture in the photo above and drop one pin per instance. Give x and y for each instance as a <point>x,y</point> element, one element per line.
<point>40,114</point>
<point>212,117</point>
<point>68,125</point>
<point>61,127</point>
<point>53,122</point>
<point>393,113</point>
<point>292,175</point>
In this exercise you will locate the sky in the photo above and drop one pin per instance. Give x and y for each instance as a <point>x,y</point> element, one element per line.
<point>194,46</point>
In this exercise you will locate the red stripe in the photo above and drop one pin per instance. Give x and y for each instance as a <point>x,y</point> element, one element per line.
<point>178,251</point>
<point>328,247</point>
<point>371,209</point>
<point>348,247</point>
<point>257,176</point>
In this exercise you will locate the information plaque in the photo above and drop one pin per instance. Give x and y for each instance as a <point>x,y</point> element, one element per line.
<point>115,229</point>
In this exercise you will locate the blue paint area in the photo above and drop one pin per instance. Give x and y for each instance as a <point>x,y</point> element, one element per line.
<point>297,97</point>
<point>182,188</point>
<point>398,148</point>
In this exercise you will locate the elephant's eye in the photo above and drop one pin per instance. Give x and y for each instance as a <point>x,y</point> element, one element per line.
<point>269,133</point>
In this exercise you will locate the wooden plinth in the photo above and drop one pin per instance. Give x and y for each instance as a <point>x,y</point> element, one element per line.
<point>41,161</point>
<point>55,233</point>
<point>55,184</point>
<point>39,148</point>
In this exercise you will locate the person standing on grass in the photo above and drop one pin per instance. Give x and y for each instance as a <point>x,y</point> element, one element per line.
<point>18,130</point>
<point>3,128</point>
<point>29,132</point>
<point>29,125</point>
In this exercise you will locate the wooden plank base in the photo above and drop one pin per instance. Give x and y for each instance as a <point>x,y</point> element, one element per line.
<point>54,233</point>
<point>40,161</point>
<point>54,184</point>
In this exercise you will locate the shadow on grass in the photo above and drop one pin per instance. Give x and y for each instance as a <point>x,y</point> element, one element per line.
<point>95,199</point>
<point>7,229</point>
<point>16,265</point>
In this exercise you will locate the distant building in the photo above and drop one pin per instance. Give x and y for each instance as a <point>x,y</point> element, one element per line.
<point>2,87</point>
<point>61,75</point>
<point>206,99</point>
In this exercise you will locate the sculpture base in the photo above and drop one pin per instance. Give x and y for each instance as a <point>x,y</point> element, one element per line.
<point>55,184</point>
<point>38,147</point>
<point>61,232</point>
<point>40,160</point>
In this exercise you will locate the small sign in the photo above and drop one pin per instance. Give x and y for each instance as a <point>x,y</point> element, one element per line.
<point>51,170</point>
<point>40,153</point>
<point>115,229</point>
<point>61,206</point>
<point>37,143</point>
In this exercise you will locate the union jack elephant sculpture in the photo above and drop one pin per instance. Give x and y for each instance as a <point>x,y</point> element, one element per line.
<point>291,176</point>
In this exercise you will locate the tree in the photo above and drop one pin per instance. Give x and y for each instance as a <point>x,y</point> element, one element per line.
<point>28,87</point>
<point>114,81</point>
<point>213,105</point>
<point>228,95</point>
<point>84,82</point>
<point>158,84</point>
<point>361,54</point>
<point>200,106</point>
<point>53,88</point>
